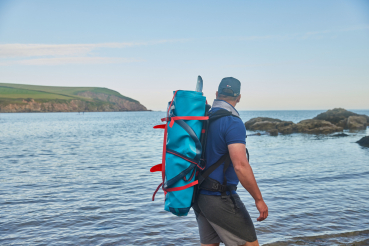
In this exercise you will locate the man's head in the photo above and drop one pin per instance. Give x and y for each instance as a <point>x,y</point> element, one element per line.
<point>229,90</point>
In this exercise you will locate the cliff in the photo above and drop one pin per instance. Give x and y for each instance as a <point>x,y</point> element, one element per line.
<point>29,98</point>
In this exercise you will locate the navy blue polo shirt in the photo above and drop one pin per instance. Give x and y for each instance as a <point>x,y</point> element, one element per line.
<point>223,132</point>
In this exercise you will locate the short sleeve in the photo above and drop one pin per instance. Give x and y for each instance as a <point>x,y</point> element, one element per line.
<point>236,132</point>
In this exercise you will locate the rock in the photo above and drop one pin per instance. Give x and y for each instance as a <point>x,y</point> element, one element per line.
<point>342,123</point>
<point>340,135</point>
<point>312,126</point>
<point>364,141</point>
<point>317,127</point>
<point>288,129</point>
<point>335,115</point>
<point>273,132</point>
<point>263,126</point>
<point>357,122</point>
<point>284,124</point>
<point>259,119</point>
<point>255,134</point>
<point>339,117</point>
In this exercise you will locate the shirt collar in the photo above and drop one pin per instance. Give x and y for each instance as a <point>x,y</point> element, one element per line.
<point>224,105</point>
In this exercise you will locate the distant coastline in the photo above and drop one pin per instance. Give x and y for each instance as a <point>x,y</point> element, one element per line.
<point>17,98</point>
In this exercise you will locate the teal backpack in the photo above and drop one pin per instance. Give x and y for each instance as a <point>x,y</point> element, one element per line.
<point>184,136</point>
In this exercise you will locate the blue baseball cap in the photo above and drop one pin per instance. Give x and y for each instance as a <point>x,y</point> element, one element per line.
<point>229,87</point>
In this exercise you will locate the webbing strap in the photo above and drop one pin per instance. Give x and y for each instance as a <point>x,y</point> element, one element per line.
<point>165,143</point>
<point>213,185</point>
<point>172,119</point>
<point>193,136</point>
<point>182,187</point>
<point>211,169</point>
<point>185,158</point>
<point>181,156</point>
<point>225,167</point>
<point>175,188</point>
<point>213,116</point>
<point>180,176</point>
<point>153,195</point>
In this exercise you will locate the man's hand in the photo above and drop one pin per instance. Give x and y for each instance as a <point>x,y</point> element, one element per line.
<point>263,209</point>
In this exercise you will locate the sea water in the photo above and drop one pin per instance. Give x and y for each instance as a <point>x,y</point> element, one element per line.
<point>83,179</point>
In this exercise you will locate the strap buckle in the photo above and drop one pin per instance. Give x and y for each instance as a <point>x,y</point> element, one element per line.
<point>215,186</point>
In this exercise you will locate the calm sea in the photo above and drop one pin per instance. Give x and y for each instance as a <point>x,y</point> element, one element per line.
<point>73,179</point>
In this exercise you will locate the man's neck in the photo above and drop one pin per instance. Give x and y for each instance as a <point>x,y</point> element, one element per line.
<point>233,103</point>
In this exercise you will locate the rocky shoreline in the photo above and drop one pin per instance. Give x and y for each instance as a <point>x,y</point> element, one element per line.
<point>334,120</point>
<point>95,102</point>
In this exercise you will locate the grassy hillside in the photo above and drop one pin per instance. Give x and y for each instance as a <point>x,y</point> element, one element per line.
<point>18,91</point>
<point>34,98</point>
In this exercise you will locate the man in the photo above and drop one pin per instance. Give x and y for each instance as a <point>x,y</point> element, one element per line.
<point>220,214</point>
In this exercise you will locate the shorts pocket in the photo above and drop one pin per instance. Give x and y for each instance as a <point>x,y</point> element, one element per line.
<point>228,205</point>
<point>238,202</point>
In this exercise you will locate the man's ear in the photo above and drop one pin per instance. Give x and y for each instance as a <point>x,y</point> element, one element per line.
<point>216,95</point>
<point>238,98</point>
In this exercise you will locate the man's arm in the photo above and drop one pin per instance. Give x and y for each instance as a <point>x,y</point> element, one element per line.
<point>237,152</point>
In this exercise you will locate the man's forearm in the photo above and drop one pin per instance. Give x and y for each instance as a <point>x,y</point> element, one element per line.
<point>246,176</point>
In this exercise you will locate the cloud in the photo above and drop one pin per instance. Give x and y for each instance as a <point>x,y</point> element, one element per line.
<point>59,54</point>
<point>41,50</point>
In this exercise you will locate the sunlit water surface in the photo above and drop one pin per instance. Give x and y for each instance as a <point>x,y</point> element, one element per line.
<point>73,179</point>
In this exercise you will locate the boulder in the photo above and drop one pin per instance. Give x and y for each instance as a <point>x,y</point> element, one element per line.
<point>288,129</point>
<point>340,116</point>
<point>317,127</point>
<point>364,141</point>
<point>249,123</point>
<point>342,123</point>
<point>263,126</point>
<point>313,126</point>
<point>335,115</point>
<point>356,122</point>
<point>284,124</point>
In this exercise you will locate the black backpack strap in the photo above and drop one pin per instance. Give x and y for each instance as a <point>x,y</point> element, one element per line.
<point>219,114</point>
<point>207,183</point>
<point>211,169</point>
<point>213,116</point>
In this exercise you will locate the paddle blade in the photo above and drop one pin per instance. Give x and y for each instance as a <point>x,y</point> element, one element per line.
<point>156,168</point>
<point>159,126</point>
<point>199,84</point>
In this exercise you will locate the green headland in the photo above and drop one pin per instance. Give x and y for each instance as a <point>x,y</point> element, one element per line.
<point>34,98</point>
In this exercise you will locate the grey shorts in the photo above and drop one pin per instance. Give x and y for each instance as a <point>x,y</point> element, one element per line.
<point>220,221</point>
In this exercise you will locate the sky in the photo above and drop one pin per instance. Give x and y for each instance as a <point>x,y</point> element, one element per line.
<point>288,55</point>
